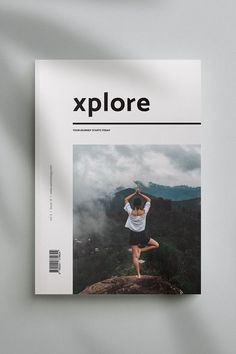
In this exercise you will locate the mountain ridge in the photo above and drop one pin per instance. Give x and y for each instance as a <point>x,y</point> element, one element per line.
<point>174,193</point>
<point>102,251</point>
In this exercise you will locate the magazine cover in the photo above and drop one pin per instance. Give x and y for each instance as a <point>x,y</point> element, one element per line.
<point>118,177</point>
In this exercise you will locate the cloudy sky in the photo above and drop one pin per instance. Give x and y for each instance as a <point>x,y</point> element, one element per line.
<point>100,169</point>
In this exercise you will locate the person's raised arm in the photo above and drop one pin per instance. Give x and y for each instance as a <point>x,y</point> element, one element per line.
<point>127,199</point>
<point>145,197</point>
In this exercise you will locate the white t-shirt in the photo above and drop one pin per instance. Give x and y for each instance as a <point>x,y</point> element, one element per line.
<point>136,223</point>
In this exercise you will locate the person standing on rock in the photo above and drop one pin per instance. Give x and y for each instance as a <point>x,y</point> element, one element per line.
<point>136,223</point>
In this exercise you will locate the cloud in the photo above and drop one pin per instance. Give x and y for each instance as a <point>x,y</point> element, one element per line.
<point>185,158</point>
<point>89,218</point>
<point>98,170</point>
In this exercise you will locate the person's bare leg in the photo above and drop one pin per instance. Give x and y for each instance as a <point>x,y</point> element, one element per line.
<point>139,252</point>
<point>152,244</point>
<point>135,258</point>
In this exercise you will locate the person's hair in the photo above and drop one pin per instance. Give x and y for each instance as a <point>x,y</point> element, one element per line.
<point>137,202</point>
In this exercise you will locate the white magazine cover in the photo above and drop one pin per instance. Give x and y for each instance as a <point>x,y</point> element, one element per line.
<point>118,177</point>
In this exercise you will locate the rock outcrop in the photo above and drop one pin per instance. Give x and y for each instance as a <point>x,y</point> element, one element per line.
<point>147,284</point>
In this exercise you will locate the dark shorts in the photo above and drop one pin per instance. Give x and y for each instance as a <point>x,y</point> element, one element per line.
<point>138,239</point>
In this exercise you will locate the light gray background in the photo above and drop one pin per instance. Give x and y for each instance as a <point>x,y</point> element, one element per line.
<point>179,29</point>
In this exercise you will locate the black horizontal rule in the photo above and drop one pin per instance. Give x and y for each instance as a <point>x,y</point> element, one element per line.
<point>136,123</point>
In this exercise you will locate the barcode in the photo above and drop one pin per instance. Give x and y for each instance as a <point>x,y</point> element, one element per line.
<point>54,261</point>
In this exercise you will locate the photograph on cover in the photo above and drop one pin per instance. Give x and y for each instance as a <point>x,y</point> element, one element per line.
<point>136,219</point>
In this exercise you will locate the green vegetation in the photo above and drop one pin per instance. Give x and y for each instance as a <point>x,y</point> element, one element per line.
<point>175,225</point>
